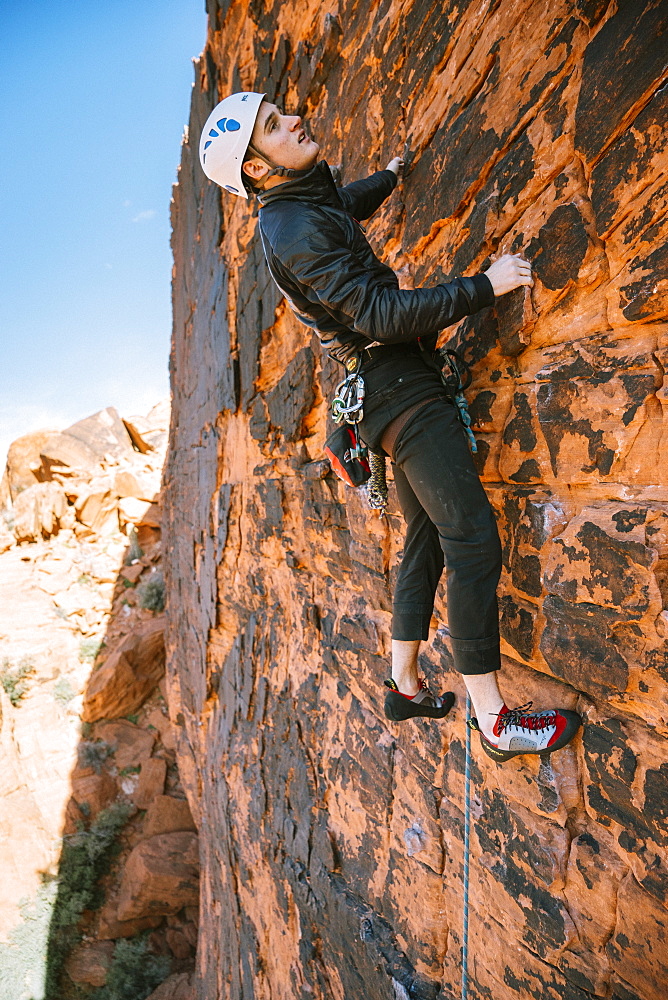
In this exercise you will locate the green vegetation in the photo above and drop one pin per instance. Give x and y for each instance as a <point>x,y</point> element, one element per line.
<point>135,550</point>
<point>89,648</point>
<point>134,972</point>
<point>14,677</point>
<point>127,583</point>
<point>152,593</point>
<point>85,858</point>
<point>93,753</point>
<point>130,769</point>
<point>63,692</point>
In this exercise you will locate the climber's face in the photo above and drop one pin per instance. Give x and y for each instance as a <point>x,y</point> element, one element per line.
<point>283,140</point>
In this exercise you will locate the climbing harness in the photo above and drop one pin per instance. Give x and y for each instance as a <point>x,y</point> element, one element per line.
<point>348,405</point>
<point>349,457</point>
<point>467,834</point>
<point>344,448</point>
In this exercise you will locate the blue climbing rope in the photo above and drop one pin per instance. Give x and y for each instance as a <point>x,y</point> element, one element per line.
<point>467,825</point>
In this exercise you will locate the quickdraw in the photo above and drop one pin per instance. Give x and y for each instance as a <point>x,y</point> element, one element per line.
<point>456,384</point>
<point>348,402</point>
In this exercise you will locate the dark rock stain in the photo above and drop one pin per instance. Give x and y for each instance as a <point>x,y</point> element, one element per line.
<point>578,643</point>
<point>621,63</point>
<point>520,428</point>
<point>560,247</point>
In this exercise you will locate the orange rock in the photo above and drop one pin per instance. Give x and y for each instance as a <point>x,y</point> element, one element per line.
<point>178,987</point>
<point>39,511</point>
<point>151,783</point>
<point>161,875</point>
<point>128,675</point>
<point>24,463</point>
<point>178,943</point>
<point>131,743</point>
<point>91,790</point>
<point>167,814</point>
<point>109,927</point>
<point>89,962</point>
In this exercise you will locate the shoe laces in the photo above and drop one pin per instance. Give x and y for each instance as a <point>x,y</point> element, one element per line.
<point>521,718</point>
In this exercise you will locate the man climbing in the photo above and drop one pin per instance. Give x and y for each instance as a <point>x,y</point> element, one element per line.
<point>321,261</point>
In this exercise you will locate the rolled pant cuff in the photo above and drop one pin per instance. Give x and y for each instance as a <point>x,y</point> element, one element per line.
<point>411,624</point>
<point>476,656</point>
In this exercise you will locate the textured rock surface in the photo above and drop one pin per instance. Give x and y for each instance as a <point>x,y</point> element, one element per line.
<point>332,842</point>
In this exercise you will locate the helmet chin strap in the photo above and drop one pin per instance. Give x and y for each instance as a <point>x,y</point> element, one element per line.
<point>276,170</point>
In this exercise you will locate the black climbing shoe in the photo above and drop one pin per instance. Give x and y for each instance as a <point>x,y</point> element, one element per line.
<point>399,707</point>
<point>519,731</point>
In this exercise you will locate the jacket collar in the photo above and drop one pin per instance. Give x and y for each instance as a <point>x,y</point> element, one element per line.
<point>316,185</point>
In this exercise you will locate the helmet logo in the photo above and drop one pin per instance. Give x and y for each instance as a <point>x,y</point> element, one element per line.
<point>227,125</point>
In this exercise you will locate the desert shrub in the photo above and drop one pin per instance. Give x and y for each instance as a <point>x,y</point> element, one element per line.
<point>89,647</point>
<point>63,692</point>
<point>93,753</point>
<point>134,971</point>
<point>14,677</point>
<point>152,593</point>
<point>85,857</point>
<point>135,550</point>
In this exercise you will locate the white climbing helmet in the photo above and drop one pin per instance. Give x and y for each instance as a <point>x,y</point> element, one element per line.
<point>225,138</point>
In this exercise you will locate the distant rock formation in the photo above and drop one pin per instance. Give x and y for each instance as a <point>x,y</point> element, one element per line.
<point>331,841</point>
<point>87,748</point>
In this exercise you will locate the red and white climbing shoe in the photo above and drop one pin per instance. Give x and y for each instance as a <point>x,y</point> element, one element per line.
<point>399,707</point>
<point>518,731</point>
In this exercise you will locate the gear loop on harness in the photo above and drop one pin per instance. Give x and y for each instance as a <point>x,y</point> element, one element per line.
<point>455,383</point>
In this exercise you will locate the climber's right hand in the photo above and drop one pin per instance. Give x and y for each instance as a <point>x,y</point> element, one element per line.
<point>509,272</point>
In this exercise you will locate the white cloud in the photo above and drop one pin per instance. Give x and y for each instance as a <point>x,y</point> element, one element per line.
<point>145,215</point>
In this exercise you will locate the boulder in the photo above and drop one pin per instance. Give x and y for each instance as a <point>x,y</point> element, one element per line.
<point>151,784</point>
<point>96,507</point>
<point>92,790</point>
<point>160,876</point>
<point>64,455</point>
<point>132,745</point>
<point>110,928</point>
<point>24,462</point>
<point>129,484</point>
<point>128,675</point>
<point>167,814</point>
<point>178,987</point>
<point>104,434</point>
<point>134,511</point>
<point>149,433</point>
<point>89,962</point>
<point>39,511</point>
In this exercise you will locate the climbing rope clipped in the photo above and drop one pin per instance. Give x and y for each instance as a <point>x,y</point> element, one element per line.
<point>467,833</point>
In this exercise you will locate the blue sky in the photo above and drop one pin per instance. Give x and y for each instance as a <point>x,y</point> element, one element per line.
<point>94,98</point>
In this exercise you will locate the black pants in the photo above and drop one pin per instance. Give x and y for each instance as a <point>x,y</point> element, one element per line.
<point>449,520</point>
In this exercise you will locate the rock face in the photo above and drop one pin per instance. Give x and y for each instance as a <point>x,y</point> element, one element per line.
<point>331,841</point>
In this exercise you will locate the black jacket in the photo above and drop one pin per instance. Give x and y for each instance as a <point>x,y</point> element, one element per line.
<point>322,262</point>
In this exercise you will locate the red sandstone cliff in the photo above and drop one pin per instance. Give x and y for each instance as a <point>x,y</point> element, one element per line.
<point>331,842</point>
